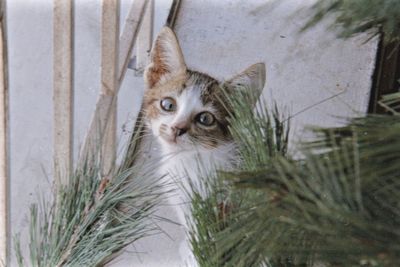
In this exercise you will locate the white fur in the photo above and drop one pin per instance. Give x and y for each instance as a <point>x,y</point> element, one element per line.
<point>185,170</point>
<point>185,163</point>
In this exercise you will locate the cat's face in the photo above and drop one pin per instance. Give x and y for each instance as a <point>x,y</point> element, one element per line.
<point>185,111</point>
<point>185,108</point>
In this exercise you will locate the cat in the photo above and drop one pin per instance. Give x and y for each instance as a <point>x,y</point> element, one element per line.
<point>185,112</point>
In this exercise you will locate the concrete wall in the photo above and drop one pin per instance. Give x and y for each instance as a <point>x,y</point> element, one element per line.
<point>220,38</point>
<point>224,37</point>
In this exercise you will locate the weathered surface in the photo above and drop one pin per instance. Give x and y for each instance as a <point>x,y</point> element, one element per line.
<point>303,69</point>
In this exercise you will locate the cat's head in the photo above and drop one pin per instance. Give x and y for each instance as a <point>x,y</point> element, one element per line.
<point>182,107</point>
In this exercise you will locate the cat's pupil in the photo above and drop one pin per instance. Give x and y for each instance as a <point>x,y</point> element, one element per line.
<point>168,104</point>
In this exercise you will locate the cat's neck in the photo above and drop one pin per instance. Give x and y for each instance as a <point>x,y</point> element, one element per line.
<point>188,170</point>
<point>194,164</point>
<point>197,162</point>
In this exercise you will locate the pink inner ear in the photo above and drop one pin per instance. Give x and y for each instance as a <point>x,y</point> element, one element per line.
<point>157,68</point>
<point>166,57</point>
<point>154,74</point>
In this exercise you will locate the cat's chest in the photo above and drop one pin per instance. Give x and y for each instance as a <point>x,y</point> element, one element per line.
<point>197,164</point>
<point>178,167</point>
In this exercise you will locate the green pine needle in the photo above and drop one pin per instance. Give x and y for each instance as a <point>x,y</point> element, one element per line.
<point>359,16</point>
<point>338,205</point>
<point>93,217</point>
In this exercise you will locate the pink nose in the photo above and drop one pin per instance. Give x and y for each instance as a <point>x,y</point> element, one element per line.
<point>179,132</point>
<point>179,129</point>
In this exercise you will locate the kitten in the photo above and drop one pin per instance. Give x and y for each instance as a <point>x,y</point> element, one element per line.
<point>184,112</point>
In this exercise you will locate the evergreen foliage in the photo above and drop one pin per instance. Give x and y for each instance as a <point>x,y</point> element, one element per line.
<point>93,217</point>
<point>260,136</point>
<point>358,16</point>
<point>338,205</point>
<point>391,103</point>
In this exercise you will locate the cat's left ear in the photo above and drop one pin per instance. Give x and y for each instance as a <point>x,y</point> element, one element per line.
<point>166,58</point>
<point>252,78</point>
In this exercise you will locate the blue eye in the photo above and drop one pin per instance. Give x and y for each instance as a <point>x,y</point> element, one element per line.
<point>168,104</point>
<point>205,118</point>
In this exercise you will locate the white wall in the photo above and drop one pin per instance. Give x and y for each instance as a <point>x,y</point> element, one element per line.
<point>224,37</point>
<point>220,38</point>
<point>30,70</point>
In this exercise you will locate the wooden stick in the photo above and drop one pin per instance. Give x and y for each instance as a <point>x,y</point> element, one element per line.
<point>63,89</point>
<point>145,38</point>
<point>4,230</point>
<point>107,100</point>
<point>109,79</point>
<point>173,13</point>
<point>129,34</point>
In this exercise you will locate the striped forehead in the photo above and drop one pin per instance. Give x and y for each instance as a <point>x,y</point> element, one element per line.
<point>201,83</point>
<point>190,100</point>
<point>195,96</point>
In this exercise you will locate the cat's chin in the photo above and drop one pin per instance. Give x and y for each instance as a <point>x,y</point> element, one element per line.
<point>173,146</point>
<point>169,142</point>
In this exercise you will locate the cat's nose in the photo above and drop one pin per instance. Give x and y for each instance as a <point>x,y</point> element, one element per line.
<point>179,131</point>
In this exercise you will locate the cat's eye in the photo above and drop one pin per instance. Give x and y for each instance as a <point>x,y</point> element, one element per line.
<point>168,104</point>
<point>206,118</point>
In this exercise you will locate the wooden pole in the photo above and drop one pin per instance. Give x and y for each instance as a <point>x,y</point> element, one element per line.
<point>173,13</point>
<point>4,229</point>
<point>145,38</point>
<point>63,89</point>
<point>128,37</point>
<point>106,99</point>
<point>109,78</point>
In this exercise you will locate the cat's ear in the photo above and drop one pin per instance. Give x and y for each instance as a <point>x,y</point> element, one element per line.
<point>252,78</point>
<point>166,58</point>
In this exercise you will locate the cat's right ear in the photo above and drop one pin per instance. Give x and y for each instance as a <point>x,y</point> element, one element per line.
<point>250,82</point>
<point>166,58</point>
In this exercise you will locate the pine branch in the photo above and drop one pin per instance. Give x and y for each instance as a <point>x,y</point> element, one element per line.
<point>94,217</point>
<point>360,16</point>
<point>391,103</point>
<point>338,205</point>
<point>261,135</point>
<point>341,205</point>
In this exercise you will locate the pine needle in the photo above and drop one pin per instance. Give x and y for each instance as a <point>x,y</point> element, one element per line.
<point>93,217</point>
<point>338,205</point>
<point>352,17</point>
